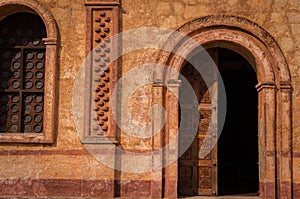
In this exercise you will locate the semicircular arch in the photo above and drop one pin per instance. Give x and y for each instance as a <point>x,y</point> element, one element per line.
<point>8,7</point>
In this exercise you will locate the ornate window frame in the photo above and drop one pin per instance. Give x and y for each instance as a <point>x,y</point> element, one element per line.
<point>51,42</point>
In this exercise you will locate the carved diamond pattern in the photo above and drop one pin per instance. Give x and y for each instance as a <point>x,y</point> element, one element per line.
<point>101,59</point>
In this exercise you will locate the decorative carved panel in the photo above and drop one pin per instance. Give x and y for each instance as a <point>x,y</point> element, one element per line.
<point>102,25</point>
<point>205,117</point>
<point>205,179</point>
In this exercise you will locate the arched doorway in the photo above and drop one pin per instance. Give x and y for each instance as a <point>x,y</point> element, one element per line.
<point>238,143</point>
<point>231,167</point>
<point>274,94</point>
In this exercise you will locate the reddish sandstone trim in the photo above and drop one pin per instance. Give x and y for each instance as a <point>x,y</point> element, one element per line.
<point>43,152</point>
<point>296,190</point>
<point>296,154</point>
<point>135,188</point>
<point>65,152</point>
<point>56,188</point>
<point>76,188</point>
<point>264,190</point>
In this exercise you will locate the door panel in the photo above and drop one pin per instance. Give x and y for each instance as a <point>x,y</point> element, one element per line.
<point>197,168</point>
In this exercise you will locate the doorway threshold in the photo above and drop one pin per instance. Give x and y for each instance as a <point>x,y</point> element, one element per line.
<point>223,197</point>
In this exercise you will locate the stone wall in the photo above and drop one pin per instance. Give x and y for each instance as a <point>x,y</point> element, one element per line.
<point>66,168</point>
<point>280,18</point>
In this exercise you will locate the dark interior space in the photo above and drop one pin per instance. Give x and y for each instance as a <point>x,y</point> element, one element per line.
<point>238,143</point>
<point>232,167</point>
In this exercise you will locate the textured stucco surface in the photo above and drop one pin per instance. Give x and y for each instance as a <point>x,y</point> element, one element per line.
<point>67,158</point>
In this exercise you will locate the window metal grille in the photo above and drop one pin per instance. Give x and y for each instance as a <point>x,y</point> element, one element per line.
<point>22,73</point>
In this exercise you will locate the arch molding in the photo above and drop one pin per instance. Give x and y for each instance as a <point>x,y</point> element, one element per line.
<point>274,93</point>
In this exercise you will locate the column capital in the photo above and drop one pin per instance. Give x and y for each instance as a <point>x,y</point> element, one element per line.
<point>262,85</point>
<point>102,3</point>
<point>285,86</point>
<point>158,83</point>
<point>50,41</point>
<point>173,83</point>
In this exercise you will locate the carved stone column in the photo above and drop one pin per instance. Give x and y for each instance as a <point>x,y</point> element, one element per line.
<point>171,140</point>
<point>50,89</point>
<point>267,139</point>
<point>157,136</point>
<point>284,145</point>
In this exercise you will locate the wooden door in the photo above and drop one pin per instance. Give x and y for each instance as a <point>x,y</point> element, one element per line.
<point>197,175</point>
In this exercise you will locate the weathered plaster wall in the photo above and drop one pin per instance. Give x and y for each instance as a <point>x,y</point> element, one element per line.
<point>280,18</point>
<point>64,168</point>
<point>66,164</point>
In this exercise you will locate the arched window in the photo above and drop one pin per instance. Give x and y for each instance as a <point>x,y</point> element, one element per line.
<point>22,57</point>
<point>27,76</point>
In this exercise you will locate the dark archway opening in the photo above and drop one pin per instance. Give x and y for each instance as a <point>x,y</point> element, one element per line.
<point>238,143</point>
<point>231,167</point>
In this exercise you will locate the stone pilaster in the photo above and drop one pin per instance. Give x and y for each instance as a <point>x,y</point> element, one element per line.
<point>158,117</point>
<point>284,143</point>
<point>267,139</point>
<point>171,140</point>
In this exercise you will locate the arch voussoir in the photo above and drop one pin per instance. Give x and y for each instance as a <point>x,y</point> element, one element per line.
<point>274,88</point>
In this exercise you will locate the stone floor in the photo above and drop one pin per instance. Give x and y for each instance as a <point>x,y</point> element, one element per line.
<point>193,197</point>
<point>185,197</point>
<point>222,197</point>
